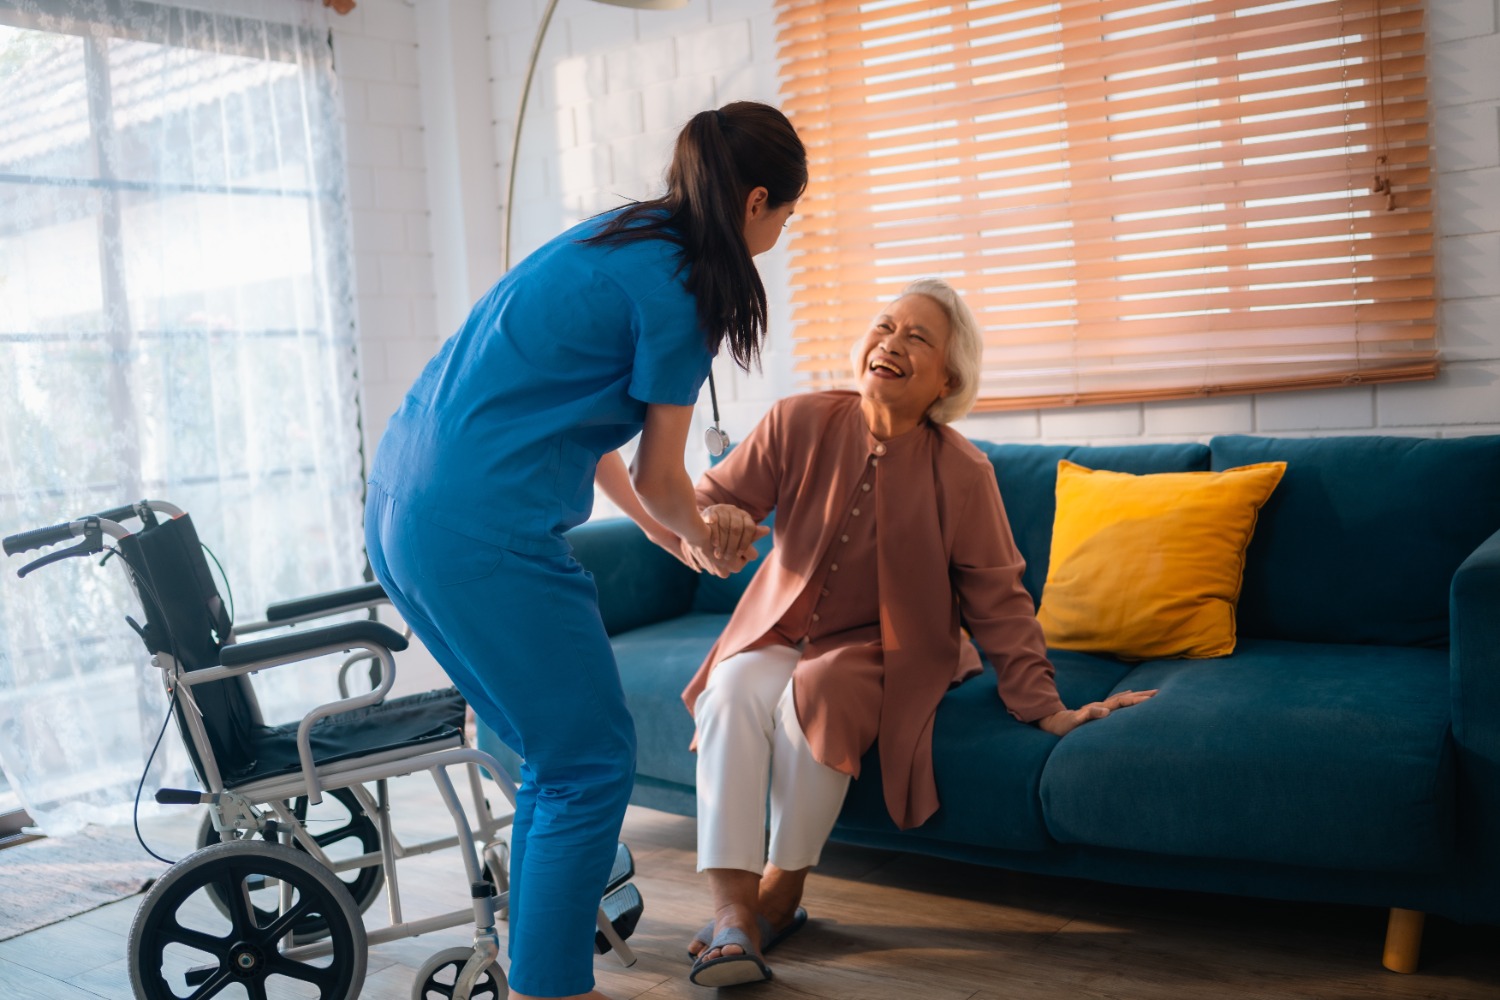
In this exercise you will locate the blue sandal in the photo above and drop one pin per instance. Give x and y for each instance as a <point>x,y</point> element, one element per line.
<point>798,921</point>
<point>730,970</point>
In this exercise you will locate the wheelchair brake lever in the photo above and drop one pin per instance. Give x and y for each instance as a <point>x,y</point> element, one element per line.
<point>93,542</point>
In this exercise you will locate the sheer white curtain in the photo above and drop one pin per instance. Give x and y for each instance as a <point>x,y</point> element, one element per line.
<point>176,322</point>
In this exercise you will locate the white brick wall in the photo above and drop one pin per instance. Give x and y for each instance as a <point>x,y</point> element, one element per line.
<point>621,83</point>
<point>611,90</point>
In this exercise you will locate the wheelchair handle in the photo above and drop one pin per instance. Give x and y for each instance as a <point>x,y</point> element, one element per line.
<point>38,538</point>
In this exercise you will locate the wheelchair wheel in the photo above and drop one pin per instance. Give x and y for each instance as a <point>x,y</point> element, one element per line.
<point>182,946</point>
<point>439,975</point>
<point>353,833</point>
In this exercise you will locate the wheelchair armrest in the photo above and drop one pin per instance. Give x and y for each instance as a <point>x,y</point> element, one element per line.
<point>240,654</point>
<point>317,605</point>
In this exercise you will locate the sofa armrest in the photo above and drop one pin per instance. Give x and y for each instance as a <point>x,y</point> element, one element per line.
<point>638,583</point>
<point>1474,611</point>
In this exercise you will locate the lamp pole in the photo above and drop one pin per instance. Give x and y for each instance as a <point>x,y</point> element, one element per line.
<point>515,143</point>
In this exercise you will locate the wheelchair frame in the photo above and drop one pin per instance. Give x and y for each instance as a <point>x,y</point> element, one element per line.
<point>260,807</point>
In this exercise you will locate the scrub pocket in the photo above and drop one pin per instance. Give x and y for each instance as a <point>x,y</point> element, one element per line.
<point>451,558</point>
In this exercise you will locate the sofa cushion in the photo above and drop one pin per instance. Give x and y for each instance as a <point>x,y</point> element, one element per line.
<point>987,764</point>
<point>1027,474</point>
<point>1149,567</point>
<point>1289,753</point>
<point>656,662</point>
<point>1360,541</point>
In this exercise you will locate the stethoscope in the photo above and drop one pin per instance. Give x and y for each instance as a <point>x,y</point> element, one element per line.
<point>714,437</point>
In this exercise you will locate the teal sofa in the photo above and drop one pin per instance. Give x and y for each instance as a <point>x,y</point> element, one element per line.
<point>1348,751</point>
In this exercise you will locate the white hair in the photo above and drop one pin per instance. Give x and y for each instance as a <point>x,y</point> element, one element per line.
<point>965,349</point>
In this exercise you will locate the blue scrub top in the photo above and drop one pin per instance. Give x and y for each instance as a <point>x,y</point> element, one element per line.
<point>501,434</point>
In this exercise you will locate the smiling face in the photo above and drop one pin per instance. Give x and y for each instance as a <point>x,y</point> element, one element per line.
<point>902,360</point>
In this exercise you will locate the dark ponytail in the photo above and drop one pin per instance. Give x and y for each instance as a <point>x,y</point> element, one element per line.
<point>720,157</point>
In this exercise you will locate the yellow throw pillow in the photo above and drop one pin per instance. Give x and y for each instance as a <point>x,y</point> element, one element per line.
<point>1149,567</point>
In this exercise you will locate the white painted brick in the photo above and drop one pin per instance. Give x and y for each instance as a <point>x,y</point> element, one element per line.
<point>383,317</point>
<point>400,190</point>
<point>1469,267</point>
<point>372,366</point>
<point>1463,72</point>
<point>714,50</point>
<point>406,358</point>
<point>578,80</point>
<point>395,104</point>
<point>1200,417</point>
<point>1470,202</point>
<point>352,93</point>
<point>373,145</point>
<point>1091,422</point>
<point>763,37</point>
<point>599,28</point>
<point>394,20</point>
<point>1470,430</point>
<point>361,187</point>
<point>419,232</point>
<point>1448,20</point>
<point>413,152</point>
<point>378,232</point>
<point>406,274</point>
<point>669,105</point>
<point>584,168</point>
<point>1315,409</point>
<point>1463,393</point>
<point>614,116</point>
<point>635,67</point>
<point>651,24</point>
<point>367,273</point>
<point>1470,331</point>
<point>407,72</point>
<point>1019,425</point>
<point>640,164</point>
<point>1466,137</point>
<point>359,58</point>
<point>746,82</point>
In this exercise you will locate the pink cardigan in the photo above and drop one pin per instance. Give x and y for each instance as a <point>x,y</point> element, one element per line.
<point>944,546</point>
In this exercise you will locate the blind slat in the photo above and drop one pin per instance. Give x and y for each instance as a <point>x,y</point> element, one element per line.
<point>1135,199</point>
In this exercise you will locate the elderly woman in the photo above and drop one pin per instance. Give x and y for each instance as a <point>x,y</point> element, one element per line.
<point>889,533</point>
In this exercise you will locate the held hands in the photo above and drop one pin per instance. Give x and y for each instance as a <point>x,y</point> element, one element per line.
<point>728,542</point>
<point>1064,722</point>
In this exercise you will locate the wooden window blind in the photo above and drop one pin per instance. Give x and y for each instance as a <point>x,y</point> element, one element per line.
<point>1139,200</point>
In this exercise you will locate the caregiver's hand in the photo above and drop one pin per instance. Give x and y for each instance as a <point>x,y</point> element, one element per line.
<point>729,541</point>
<point>1064,722</point>
<point>732,530</point>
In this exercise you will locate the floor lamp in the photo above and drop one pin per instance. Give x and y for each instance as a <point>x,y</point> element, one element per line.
<point>515,145</point>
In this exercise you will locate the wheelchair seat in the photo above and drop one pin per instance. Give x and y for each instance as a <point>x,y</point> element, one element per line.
<point>431,720</point>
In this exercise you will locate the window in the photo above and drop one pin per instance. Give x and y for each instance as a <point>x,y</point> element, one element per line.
<point>1139,200</point>
<point>176,323</point>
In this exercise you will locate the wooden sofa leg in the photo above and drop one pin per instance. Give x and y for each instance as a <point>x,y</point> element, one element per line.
<point>1403,940</point>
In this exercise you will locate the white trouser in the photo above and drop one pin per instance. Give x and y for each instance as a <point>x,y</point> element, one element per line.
<point>748,735</point>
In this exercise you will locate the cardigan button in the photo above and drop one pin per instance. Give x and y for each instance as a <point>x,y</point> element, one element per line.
<point>880,449</point>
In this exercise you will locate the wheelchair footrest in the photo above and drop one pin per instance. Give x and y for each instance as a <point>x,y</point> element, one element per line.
<point>623,909</point>
<point>623,870</point>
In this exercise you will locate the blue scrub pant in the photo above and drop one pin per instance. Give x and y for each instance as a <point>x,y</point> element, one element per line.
<point>521,638</point>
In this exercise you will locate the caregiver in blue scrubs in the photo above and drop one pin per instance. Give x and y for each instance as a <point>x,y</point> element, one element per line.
<point>604,333</point>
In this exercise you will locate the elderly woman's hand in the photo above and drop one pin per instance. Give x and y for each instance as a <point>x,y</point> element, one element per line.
<point>1064,722</point>
<point>732,534</point>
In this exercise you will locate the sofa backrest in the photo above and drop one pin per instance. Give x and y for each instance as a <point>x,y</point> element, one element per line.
<point>1360,541</point>
<point>1027,474</point>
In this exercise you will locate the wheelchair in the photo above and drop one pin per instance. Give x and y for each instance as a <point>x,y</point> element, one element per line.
<point>265,906</point>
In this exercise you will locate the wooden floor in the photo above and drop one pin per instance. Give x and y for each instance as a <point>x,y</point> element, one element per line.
<point>884,925</point>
